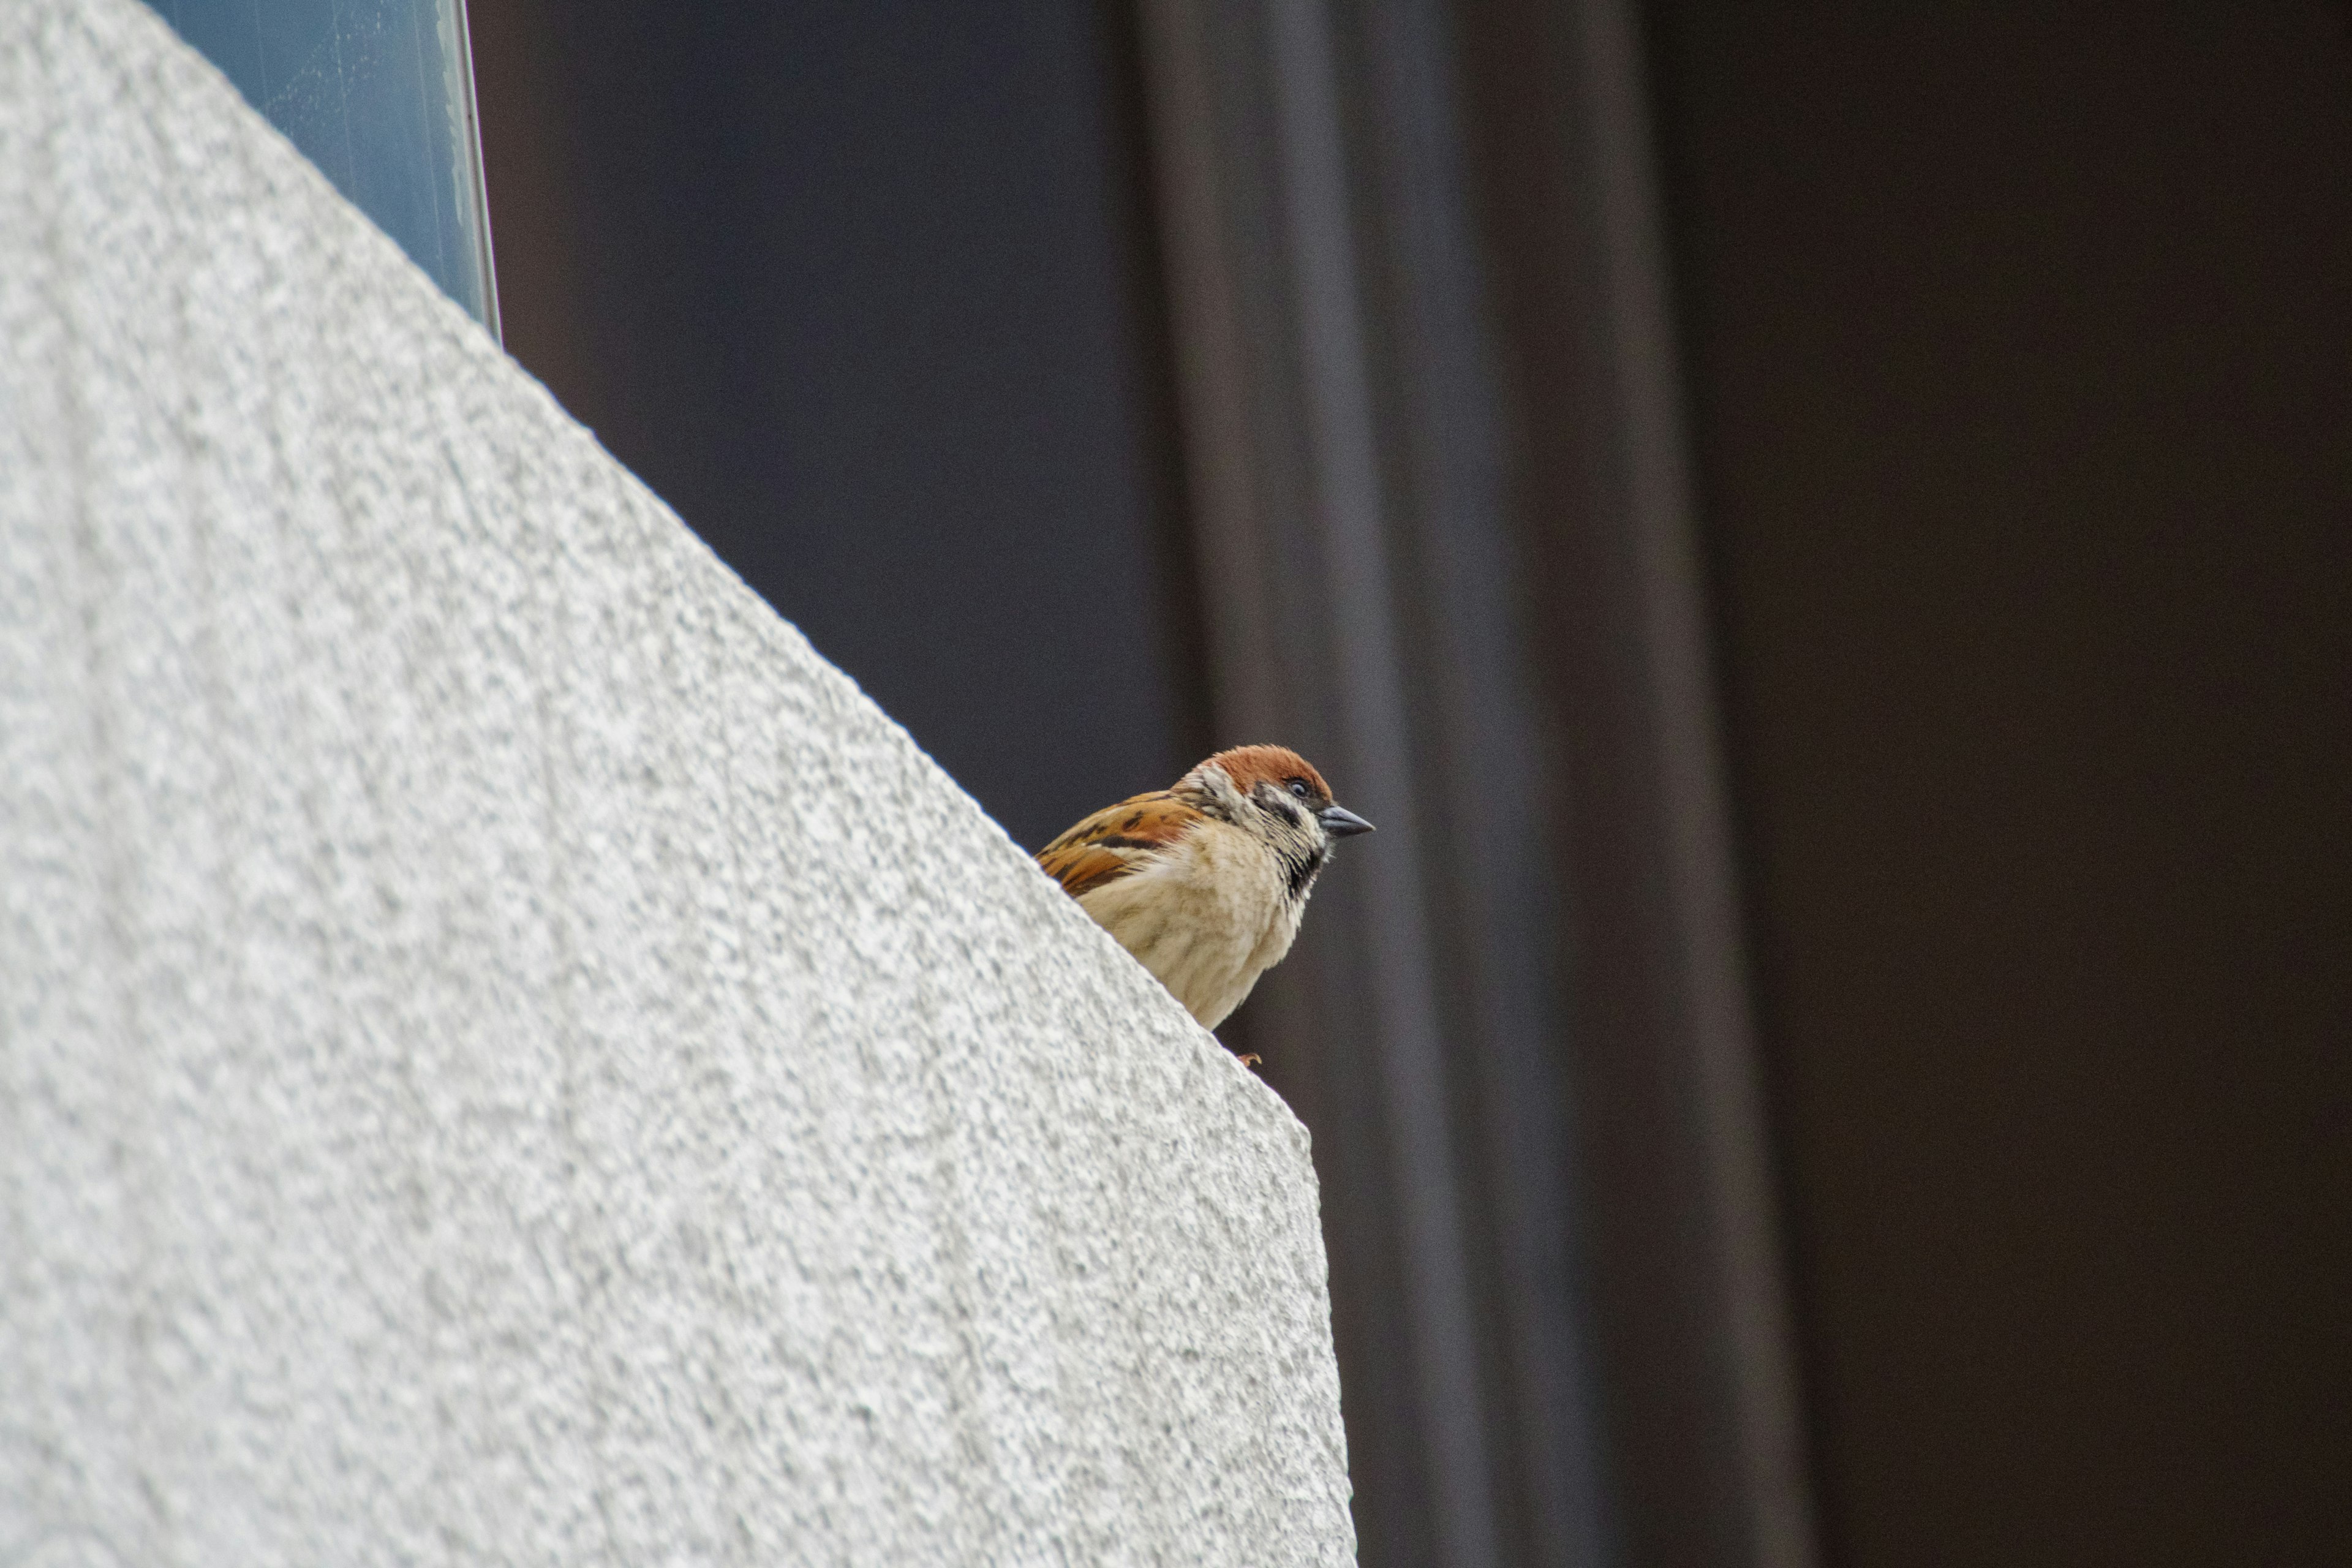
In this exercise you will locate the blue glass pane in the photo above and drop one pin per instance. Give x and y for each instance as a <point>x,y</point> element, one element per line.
<point>379,95</point>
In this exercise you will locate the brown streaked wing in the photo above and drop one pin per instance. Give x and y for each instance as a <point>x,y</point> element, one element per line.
<point>1116,840</point>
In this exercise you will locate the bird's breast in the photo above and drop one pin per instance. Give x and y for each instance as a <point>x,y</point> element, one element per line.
<point>1206,918</point>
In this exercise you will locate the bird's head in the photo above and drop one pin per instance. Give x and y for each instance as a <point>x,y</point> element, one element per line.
<point>1276,793</point>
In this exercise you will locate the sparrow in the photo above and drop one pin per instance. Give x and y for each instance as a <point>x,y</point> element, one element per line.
<point>1205,883</point>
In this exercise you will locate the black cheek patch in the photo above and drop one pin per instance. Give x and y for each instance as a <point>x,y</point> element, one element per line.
<point>1302,871</point>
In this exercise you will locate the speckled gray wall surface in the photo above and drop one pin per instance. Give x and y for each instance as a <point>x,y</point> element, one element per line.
<point>505,1056</point>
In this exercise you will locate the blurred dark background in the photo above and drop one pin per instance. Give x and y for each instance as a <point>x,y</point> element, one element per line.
<point>863,292</point>
<point>1821,533</point>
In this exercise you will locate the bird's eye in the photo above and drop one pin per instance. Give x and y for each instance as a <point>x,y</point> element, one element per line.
<point>1298,788</point>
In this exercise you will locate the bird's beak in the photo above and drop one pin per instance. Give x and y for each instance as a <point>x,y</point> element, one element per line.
<point>1341,823</point>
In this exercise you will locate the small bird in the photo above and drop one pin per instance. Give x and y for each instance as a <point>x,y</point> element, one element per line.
<point>1205,883</point>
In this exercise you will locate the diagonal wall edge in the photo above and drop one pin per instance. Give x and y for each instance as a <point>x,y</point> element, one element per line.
<point>506,1056</point>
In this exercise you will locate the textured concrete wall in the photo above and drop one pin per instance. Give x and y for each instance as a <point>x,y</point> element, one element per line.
<point>505,1056</point>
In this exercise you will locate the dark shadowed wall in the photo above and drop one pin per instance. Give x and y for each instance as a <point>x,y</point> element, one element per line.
<point>2021,355</point>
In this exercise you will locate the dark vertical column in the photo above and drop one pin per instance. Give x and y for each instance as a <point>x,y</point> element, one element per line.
<point>2020,353</point>
<point>1434,450</point>
<point>1703,1421</point>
